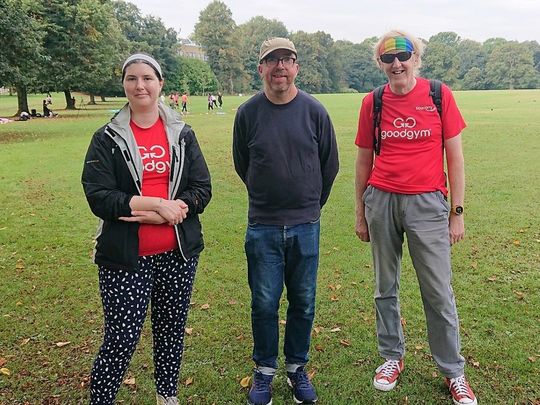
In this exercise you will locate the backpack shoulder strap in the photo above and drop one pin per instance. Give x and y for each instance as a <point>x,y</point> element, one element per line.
<point>435,91</point>
<point>377,111</point>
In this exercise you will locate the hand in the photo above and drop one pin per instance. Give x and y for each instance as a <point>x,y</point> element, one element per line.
<point>173,211</point>
<point>144,217</point>
<point>361,229</point>
<point>456,228</point>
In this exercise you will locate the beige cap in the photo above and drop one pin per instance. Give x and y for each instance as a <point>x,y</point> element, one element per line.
<point>273,44</point>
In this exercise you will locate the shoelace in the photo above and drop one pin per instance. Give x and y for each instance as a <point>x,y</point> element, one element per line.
<point>261,382</point>
<point>459,385</point>
<point>389,367</point>
<point>302,379</point>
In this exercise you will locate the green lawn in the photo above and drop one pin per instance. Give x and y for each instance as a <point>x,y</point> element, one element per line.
<point>49,293</point>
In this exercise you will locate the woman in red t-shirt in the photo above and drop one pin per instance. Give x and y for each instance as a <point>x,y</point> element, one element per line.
<point>146,179</point>
<point>401,190</point>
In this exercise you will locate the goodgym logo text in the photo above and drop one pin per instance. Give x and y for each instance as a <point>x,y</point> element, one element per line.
<point>405,128</point>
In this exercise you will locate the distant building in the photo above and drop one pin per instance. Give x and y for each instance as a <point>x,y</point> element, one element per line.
<point>190,49</point>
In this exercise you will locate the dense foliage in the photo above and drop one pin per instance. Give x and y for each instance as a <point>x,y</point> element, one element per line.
<point>55,45</point>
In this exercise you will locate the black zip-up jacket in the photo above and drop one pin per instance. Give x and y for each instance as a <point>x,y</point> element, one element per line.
<point>112,175</point>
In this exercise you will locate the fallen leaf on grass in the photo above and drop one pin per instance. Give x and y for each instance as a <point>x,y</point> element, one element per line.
<point>130,381</point>
<point>532,359</point>
<point>5,371</point>
<point>475,364</point>
<point>418,347</point>
<point>520,295</point>
<point>188,381</point>
<point>19,265</point>
<point>233,302</point>
<point>345,342</point>
<point>311,374</point>
<point>62,344</point>
<point>282,322</point>
<point>319,348</point>
<point>335,330</point>
<point>3,362</point>
<point>25,341</point>
<point>189,331</point>
<point>333,298</point>
<point>318,329</point>
<point>492,278</point>
<point>516,243</point>
<point>205,306</point>
<point>244,382</point>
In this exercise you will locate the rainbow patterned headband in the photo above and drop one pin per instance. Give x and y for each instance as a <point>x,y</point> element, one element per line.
<point>397,43</point>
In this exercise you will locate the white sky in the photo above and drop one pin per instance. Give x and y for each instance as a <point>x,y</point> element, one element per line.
<point>355,20</point>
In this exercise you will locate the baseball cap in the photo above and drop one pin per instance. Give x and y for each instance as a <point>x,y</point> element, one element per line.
<point>273,44</point>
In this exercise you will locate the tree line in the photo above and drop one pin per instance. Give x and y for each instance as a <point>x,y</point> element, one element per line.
<point>342,66</point>
<point>79,45</point>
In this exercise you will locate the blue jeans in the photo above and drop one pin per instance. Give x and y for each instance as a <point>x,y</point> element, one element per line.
<point>277,256</point>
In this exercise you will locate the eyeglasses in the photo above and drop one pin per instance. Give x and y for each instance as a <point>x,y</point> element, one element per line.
<point>287,61</point>
<point>401,56</point>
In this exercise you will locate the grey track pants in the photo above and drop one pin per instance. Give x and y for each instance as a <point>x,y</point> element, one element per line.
<point>424,219</point>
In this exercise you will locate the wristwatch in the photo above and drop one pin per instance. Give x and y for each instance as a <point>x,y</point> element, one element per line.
<point>457,210</point>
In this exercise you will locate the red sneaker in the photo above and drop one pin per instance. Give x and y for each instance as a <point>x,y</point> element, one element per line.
<point>460,390</point>
<point>387,374</point>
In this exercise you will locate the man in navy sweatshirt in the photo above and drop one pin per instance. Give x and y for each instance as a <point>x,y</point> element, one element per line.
<point>285,151</point>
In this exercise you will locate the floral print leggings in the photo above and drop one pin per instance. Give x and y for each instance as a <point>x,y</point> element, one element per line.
<point>166,281</point>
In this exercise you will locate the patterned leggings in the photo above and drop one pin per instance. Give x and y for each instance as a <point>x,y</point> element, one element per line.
<point>166,281</point>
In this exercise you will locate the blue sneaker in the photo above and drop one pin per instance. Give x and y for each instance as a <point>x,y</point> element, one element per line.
<point>260,392</point>
<point>303,390</point>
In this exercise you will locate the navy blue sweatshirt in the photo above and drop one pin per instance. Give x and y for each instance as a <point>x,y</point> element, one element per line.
<point>287,156</point>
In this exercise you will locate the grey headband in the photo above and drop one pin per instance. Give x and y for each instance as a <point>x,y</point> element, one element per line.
<point>146,58</point>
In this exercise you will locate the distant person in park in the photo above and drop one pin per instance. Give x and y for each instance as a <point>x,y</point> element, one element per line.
<point>47,112</point>
<point>184,103</point>
<point>284,150</point>
<point>214,102</point>
<point>210,102</point>
<point>220,99</point>
<point>401,189</point>
<point>49,99</point>
<point>149,237</point>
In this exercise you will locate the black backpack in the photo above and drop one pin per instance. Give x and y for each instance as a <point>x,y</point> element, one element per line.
<point>434,92</point>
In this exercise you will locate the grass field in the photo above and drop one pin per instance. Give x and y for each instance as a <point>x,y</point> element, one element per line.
<point>50,312</point>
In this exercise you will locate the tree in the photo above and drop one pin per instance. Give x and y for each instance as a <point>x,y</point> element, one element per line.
<point>317,66</point>
<point>215,32</point>
<point>81,43</point>
<point>249,37</point>
<point>441,61</point>
<point>510,66</point>
<point>196,77</point>
<point>21,53</point>
<point>471,55</point>
<point>356,66</point>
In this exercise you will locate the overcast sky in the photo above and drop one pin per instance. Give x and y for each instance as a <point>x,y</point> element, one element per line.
<point>355,20</point>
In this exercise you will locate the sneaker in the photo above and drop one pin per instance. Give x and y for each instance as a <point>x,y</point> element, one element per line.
<point>303,390</point>
<point>387,374</point>
<point>260,392</point>
<point>161,400</point>
<point>460,390</point>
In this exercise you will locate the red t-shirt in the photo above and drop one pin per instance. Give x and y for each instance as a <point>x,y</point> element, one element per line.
<point>154,150</point>
<point>411,158</point>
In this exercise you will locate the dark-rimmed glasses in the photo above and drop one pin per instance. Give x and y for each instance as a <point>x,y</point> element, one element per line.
<point>287,61</point>
<point>401,56</point>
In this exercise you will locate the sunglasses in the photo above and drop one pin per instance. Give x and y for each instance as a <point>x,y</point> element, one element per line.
<point>401,56</point>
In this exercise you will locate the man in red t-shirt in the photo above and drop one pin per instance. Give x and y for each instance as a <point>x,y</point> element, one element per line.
<point>401,190</point>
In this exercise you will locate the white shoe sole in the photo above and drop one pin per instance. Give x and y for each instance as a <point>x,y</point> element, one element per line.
<point>384,387</point>
<point>475,402</point>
